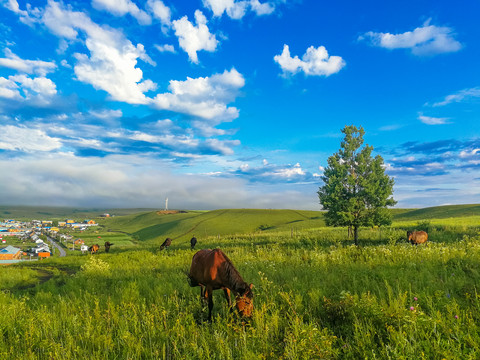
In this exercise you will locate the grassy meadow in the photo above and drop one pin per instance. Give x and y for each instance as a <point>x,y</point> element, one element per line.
<point>316,295</point>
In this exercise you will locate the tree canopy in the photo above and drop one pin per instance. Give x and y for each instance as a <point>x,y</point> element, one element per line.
<point>356,190</point>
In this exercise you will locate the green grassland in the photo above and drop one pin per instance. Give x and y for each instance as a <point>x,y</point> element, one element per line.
<point>152,227</point>
<point>316,295</point>
<point>440,212</point>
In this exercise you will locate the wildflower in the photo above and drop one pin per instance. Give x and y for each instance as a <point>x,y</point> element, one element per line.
<point>412,308</point>
<point>456,316</point>
<point>415,298</point>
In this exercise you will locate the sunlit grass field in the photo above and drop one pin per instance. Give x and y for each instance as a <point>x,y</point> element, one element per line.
<point>316,296</point>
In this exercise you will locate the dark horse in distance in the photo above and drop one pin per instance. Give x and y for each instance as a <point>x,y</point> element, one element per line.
<point>193,242</point>
<point>166,243</point>
<point>213,270</point>
<point>107,246</point>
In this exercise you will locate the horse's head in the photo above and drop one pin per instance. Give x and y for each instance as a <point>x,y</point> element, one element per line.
<point>409,235</point>
<point>244,302</point>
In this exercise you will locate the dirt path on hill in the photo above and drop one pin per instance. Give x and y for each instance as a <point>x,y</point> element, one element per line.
<point>197,225</point>
<point>298,213</point>
<point>43,276</point>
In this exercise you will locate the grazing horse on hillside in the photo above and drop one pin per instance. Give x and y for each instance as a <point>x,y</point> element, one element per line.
<point>93,249</point>
<point>166,243</point>
<point>213,270</point>
<point>417,237</point>
<point>193,242</point>
<point>107,246</point>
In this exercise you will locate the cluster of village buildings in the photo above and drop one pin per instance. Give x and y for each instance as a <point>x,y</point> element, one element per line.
<point>30,231</point>
<point>19,228</point>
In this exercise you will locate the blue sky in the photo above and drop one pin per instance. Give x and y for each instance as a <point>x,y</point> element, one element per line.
<point>234,104</point>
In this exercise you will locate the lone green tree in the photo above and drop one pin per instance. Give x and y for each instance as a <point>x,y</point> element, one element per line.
<point>356,190</point>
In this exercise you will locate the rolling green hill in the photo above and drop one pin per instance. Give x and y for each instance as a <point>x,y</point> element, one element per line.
<point>153,226</point>
<point>438,212</point>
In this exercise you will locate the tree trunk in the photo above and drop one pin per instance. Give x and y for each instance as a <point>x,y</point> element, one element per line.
<point>355,235</point>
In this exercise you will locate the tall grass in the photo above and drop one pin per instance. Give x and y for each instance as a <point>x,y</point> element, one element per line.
<point>316,297</point>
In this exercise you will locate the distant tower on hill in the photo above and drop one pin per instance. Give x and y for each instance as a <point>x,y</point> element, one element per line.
<point>166,203</point>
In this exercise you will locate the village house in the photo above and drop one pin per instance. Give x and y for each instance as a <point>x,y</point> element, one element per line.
<point>41,248</point>
<point>10,253</point>
<point>65,237</point>
<point>43,255</point>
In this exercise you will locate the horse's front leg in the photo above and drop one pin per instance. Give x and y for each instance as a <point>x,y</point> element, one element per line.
<point>203,295</point>
<point>227,296</point>
<point>209,296</point>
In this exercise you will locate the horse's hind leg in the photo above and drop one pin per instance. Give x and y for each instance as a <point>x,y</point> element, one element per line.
<point>209,296</point>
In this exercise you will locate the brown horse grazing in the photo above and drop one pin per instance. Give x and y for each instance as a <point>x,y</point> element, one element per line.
<point>193,242</point>
<point>213,270</point>
<point>417,237</point>
<point>107,246</point>
<point>93,249</point>
<point>166,243</point>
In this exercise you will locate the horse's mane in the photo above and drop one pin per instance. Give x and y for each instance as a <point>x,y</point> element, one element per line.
<point>233,277</point>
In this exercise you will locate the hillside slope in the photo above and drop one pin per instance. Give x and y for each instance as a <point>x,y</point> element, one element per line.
<point>155,226</point>
<point>439,212</point>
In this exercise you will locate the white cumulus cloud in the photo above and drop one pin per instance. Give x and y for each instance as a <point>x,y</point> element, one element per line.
<point>25,139</point>
<point>160,11</point>
<point>107,114</point>
<point>39,90</point>
<point>273,173</point>
<point>112,64</point>
<point>234,9</point>
<point>193,38</point>
<point>462,95</point>
<point>27,17</point>
<point>40,85</point>
<point>123,7</point>
<point>204,97</point>
<point>315,62</point>
<point>262,8</point>
<point>432,120</point>
<point>237,9</point>
<point>289,172</point>
<point>425,40</point>
<point>165,48</point>
<point>38,67</point>
<point>9,89</point>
